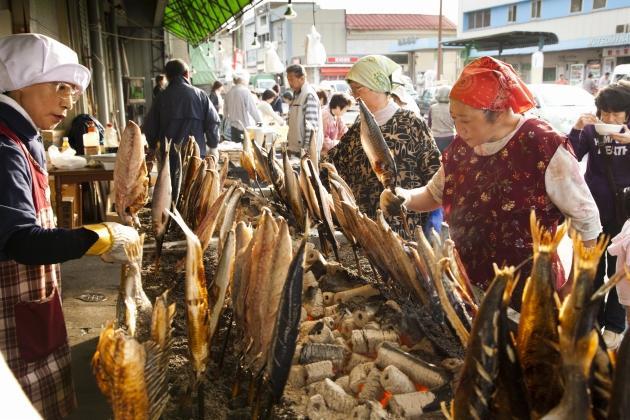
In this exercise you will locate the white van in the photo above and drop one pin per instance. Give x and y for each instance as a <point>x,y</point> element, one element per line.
<point>621,71</point>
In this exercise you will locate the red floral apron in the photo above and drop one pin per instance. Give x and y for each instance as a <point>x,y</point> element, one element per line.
<point>33,336</point>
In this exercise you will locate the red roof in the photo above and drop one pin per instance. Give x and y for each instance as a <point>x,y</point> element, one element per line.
<point>391,22</point>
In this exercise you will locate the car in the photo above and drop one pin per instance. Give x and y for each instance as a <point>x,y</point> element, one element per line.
<point>622,71</point>
<point>335,86</point>
<point>560,105</point>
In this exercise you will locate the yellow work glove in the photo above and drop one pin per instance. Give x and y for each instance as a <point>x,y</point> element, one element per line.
<point>112,239</point>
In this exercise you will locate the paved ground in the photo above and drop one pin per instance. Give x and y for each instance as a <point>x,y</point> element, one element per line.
<point>84,321</point>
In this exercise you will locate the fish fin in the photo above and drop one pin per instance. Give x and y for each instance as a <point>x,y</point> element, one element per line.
<point>601,292</point>
<point>542,239</point>
<point>587,258</point>
<point>155,378</point>
<point>449,414</point>
<point>557,300</point>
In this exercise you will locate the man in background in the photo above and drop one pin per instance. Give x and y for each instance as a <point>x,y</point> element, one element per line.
<point>304,112</point>
<point>240,107</point>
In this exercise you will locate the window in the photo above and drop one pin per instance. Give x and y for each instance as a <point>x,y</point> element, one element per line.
<point>599,4</point>
<point>576,6</point>
<point>536,6</point>
<point>620,29</point>
<point>263,20</point>
<point>479,19</point>
<point>512,13</point>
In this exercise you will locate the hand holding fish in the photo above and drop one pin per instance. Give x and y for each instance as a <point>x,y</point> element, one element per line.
<point>121,237</point>
<point>392,203</point>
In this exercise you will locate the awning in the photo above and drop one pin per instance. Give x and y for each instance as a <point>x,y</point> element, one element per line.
<point>196,20</point>
<point>334,71</point>
<point>506,40</point>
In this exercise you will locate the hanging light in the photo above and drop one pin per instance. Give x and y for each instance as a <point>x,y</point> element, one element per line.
<point>255,44</point>
<point>290,13</point>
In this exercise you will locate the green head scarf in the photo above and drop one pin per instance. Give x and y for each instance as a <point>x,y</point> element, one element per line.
<point>375,72</point>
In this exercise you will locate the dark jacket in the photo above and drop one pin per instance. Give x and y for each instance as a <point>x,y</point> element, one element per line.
<point>585,141</point>
<point>21,238</point>
<point>277,105</point>
<point>182,110</point>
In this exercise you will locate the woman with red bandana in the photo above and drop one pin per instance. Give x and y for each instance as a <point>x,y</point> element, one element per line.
<point>501,165</point>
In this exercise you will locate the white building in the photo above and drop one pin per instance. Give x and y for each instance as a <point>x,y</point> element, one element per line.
<point>593,35</point>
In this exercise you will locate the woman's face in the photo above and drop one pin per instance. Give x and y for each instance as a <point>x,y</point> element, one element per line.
<point>613,117</point>
<point>338,112</point>
<point>373,100</point>
<point>46,103</point>
<point>471,124</point>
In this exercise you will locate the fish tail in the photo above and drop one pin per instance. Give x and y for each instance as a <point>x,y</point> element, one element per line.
<point>543,239</point>
<point>587,258</point>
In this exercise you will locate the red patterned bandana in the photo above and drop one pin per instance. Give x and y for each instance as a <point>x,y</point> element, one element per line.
<point>493,85</point>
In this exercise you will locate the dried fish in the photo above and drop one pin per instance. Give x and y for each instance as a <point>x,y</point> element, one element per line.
<point>131,184</point>
<point>162,199</point>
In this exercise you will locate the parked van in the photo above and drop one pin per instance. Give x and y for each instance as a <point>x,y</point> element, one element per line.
<point>621,71</point>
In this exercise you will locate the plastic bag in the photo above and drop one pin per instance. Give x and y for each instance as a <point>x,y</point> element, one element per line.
<point>65,159</point>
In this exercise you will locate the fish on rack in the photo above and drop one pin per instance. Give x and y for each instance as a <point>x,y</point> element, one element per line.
<point>131,182</point>
<point>162,198</point>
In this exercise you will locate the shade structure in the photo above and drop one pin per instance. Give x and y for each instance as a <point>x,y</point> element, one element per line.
<point>197,20</point>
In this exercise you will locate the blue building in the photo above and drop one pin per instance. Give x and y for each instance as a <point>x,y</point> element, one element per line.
<point>593,35</point>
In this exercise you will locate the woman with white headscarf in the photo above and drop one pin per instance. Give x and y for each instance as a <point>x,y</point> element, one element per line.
<point>40,80</point>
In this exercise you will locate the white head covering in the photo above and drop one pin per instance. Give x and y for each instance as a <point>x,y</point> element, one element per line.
<point>28,59</point>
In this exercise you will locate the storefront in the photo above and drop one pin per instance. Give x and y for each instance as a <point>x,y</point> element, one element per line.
<point>337,67</point>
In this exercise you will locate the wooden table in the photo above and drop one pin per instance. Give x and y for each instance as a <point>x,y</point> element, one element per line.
<point>77,176</point>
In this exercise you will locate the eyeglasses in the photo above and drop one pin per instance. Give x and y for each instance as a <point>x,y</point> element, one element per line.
<point>355,89</point>
<point>67,91</point>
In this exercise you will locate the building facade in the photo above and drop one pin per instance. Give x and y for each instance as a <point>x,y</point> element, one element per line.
<point>593,35</point>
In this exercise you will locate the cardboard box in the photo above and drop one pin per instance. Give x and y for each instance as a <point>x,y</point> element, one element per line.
<point>68,218</point>
<point>51,137</point>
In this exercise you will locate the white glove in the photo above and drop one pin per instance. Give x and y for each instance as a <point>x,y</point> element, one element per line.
<point>213,151</point>
<point>620,248</point>
<point>126,245</point>
<point>391,203</point>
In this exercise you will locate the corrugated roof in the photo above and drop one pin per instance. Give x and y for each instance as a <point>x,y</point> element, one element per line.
<point>391,22</point>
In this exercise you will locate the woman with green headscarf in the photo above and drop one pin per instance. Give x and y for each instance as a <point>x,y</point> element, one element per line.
<point>372,79</point>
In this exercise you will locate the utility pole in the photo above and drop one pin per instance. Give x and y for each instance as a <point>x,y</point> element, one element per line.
<point>439,54</point>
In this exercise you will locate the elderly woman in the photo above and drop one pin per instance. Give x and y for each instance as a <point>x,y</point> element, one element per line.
<point>41,80</point>
<point>408,138</point>
<point>500,165</point>
<point>439,119</point>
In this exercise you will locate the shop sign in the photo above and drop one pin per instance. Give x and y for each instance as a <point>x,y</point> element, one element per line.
<point>407,41</point>
<point>616,51</point>
<point>341,59</point>
<point>603,41</point>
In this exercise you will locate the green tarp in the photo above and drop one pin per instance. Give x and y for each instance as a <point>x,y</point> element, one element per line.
<point>196,20</point>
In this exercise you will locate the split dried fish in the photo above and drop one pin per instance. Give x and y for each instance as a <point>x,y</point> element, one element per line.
<point>131,184</point>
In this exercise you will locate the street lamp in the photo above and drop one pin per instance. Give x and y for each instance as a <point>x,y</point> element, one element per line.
<point>290,13</point>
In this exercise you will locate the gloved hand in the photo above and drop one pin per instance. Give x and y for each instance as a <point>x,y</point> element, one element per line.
<point>116,242</point>
<point>213,151</point>
<point>391,203</point>
<point>620,248</point>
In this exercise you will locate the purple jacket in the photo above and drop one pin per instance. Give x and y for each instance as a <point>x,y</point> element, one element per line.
<point>585,141</point>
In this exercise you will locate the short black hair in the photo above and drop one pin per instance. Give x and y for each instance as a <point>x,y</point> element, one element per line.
<point>276,88</point>
<point>339,100</point>
<point>296,69</point>
<point>216,85</point>
<point>613,98</point>
<point>268,94</point>
<point>287,95</point>
<point>159,78</point>
<point>175,68</point>
<point>322,96</point>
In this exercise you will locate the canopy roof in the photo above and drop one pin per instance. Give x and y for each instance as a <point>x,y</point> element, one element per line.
<point>197,20</point>
<point>506,40</point>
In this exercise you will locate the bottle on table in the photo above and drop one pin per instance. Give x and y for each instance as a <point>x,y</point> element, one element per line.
<point>111,139</point>
<point>65,144</point>
<point>91,144</point>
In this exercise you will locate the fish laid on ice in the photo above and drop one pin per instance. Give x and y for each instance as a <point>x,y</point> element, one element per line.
<point>131,184</point>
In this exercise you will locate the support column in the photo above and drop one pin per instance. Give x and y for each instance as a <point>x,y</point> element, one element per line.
<point>119,107</point>
<point>99,79</point>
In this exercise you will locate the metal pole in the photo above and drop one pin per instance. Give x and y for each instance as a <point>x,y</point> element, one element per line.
<point>118,84</point>
<point>439,57</point>
<point>98,63</point>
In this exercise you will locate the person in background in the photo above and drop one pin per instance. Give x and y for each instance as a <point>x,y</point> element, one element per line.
<point>160,84</point>
<point>266,111</point>
<point>276,105</point>
<point>240,107</point>
<point>404,100</point>
<point>334,127</point>
<point>323,98</point>
<point>216,97</point>
<point>439,119</point>
<point>604,80</point>
<point>607,173</point>
<point>499,167</point>
<point>408,138</point>
<point>40,81</point>
<point>561,80</point>
<point>304,112</point>
<point>589,84</point>
<point>287,98</point>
